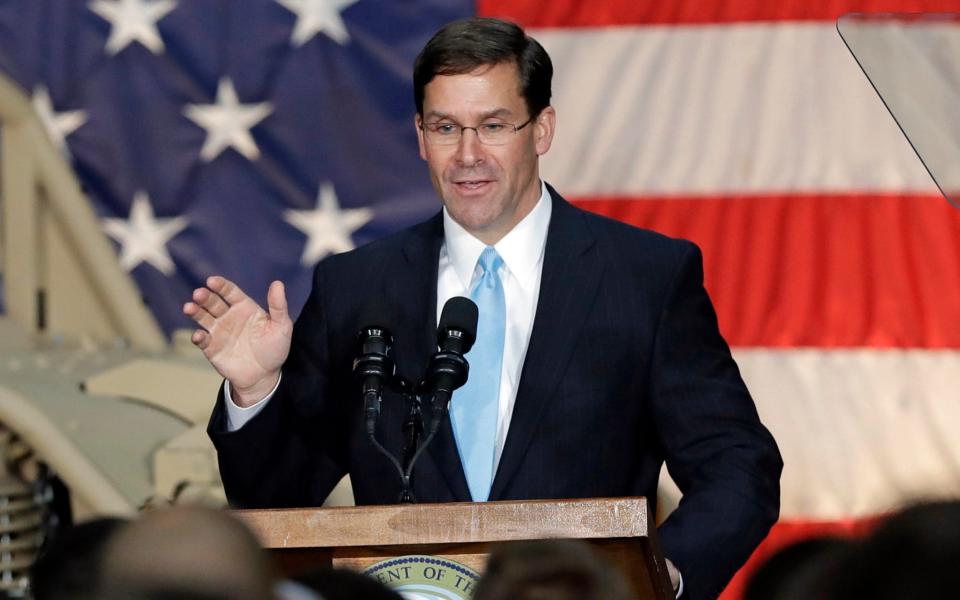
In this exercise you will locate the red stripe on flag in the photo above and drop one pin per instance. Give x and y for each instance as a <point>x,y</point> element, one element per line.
<point>576,13</point>
<point>819,270</point>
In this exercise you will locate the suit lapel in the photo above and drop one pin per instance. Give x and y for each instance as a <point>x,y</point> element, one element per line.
<point>413,288</point>
<point>568,285</point>
<point>416,295</point>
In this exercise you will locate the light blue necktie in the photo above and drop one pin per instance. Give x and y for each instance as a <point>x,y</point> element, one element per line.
<point>474,407</point>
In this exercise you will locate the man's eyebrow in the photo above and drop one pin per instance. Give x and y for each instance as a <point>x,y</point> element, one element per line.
<point>436,114</point>
<point>497,113</point>
<point>500,113</point>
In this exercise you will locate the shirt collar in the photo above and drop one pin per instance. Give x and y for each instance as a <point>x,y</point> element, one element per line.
<point>521,249</point>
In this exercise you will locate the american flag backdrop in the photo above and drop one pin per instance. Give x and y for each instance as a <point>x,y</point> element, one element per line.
<point>242,137</point>
<point>252,137</point>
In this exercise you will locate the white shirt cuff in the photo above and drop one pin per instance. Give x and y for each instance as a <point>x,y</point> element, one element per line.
<point>237,416</point>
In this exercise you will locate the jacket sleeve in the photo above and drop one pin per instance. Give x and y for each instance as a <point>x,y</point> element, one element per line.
<point>289,454</point>
<point>723,459</point>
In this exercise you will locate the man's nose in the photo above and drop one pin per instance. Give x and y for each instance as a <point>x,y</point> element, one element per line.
<point>469,148</point>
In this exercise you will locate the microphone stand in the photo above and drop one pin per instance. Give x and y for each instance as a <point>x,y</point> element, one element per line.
<point>412,432</point>
<point>413,428</point>
<point>450,367</point>
<point>446,371</point>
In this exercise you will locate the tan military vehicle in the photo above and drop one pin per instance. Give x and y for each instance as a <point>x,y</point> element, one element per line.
<point>99,413</point>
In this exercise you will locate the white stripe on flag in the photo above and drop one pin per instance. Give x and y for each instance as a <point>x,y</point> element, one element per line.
<point>719,109</point>
<point>861,431</point>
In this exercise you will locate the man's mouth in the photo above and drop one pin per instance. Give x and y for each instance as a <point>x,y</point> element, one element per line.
<point>471,184</point>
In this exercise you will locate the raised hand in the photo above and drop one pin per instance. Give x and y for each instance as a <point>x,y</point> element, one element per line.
<point>244,343</point>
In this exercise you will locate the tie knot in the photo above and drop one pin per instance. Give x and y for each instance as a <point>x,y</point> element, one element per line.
<point>490,261</point>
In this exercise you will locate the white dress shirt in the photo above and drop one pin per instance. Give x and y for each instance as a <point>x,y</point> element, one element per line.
<point>522,253</point>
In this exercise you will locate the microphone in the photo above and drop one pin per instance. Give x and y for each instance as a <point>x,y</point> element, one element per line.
<point>374,367</point>
<point>448,369</point>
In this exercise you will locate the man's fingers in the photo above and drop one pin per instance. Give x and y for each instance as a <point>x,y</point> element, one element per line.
<point>199,315</point>
<point>200,339</point>
<point>227,289</point>
<point>211,302</point>
<point>277,302</point>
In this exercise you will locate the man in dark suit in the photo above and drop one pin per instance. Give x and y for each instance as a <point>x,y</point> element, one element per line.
<point>607,358</point>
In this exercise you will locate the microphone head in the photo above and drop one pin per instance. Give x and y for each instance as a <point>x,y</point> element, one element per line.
<point>374,314</point>
<point>374,325</point>
<point>459,320</point>
<point>374,364</point>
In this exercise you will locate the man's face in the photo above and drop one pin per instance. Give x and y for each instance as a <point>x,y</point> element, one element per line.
<point>486,189</point>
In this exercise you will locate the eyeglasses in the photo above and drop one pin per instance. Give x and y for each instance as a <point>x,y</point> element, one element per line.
<point>445,133</point>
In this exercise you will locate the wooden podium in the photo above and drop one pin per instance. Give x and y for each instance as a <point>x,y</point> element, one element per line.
<point>356,537</point>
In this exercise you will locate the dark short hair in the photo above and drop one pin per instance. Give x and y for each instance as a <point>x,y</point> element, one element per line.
<point>462,46</point>
<point>913,554</point>
<point>558,569</point>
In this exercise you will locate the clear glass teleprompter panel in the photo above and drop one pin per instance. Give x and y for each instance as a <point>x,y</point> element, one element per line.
<point>913,61</point>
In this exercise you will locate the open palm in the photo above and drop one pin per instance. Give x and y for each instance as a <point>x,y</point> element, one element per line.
<point>245,344</point>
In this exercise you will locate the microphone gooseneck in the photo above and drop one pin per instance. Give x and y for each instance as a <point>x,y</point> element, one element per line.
<point>374,368</point>
<point>448,369</point>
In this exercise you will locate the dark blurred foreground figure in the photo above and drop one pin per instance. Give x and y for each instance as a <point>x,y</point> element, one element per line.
<point>550,570</point>
<point>913,554</point>
<point>799,571</point>
<point>70,568</point>
<point>187,553</point>
<point>341,584</point>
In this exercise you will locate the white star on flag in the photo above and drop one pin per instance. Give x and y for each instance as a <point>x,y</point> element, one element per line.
<point>133,21</point>
<point>58,125</point>
<point>318,16</point>
<point>228,122</point>
<point>143,238</point>
<point>327,227</point>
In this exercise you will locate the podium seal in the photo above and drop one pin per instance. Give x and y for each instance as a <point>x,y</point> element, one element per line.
<point>419,577</point>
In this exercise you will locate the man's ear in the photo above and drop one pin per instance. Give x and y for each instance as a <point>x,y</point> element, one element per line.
<point>418,123</point>
<point>544,126</point>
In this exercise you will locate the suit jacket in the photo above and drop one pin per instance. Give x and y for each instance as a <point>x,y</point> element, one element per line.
<point>625,369</point>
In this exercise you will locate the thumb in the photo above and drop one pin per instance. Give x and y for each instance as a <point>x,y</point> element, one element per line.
<point>277,302</point>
